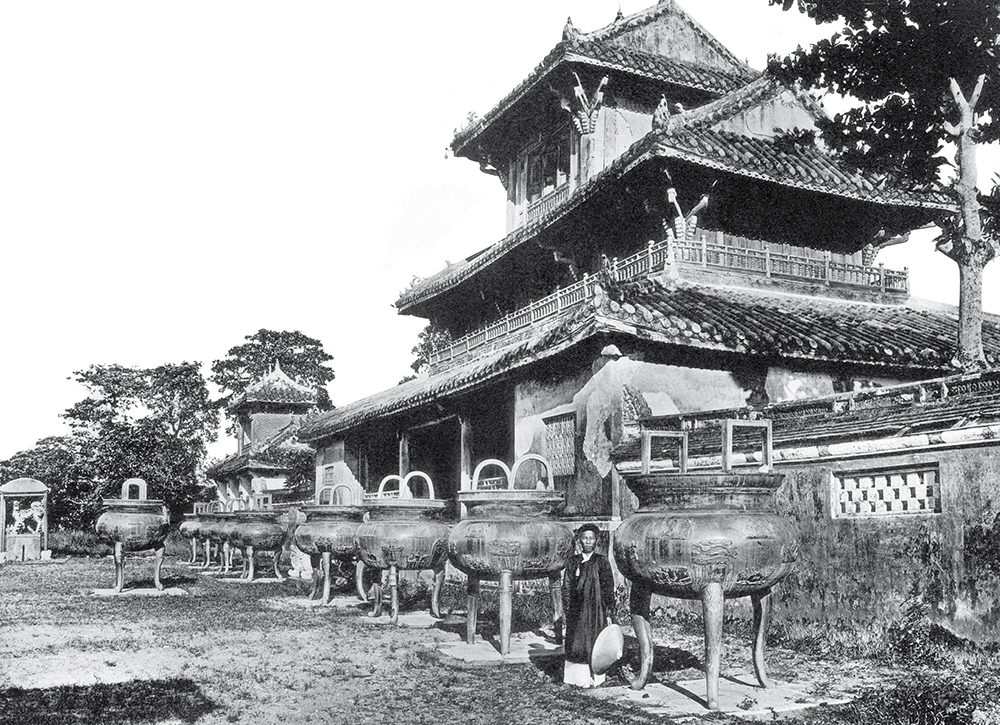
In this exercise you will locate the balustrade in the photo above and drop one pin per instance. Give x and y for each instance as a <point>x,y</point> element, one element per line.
<point>700,252</point>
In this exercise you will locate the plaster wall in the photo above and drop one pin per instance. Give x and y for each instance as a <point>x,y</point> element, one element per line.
<point>333,468</point>
<point>595,398</point>
<point>673,37</point>
<point>869,570</point>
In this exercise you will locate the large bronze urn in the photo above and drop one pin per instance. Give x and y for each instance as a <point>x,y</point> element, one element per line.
<point>509,534</point>
<point>190,528</point>
<point>403,532</point>
<point>255,531</point>
<point>330,532</point>
<point>705,536</point>
<point>134,524</point>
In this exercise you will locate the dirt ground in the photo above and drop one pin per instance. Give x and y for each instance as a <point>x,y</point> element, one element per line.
<point>226,652</point>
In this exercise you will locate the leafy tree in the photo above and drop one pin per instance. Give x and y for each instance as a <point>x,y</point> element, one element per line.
<point>925,74</point>
<point>153,424</point>
<point>300,356</point>
<point>431,339</point>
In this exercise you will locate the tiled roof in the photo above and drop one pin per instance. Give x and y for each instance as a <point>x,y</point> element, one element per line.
<point>276,387</point>
<point>774,324</point>
<point>926,408</point>
<point>751,322</point>
<point>540,342</point>
<point>604,48</point>
<point>284,438</point>
<point>605,55</point>
<point>240,462</point>
<point>695,136</point>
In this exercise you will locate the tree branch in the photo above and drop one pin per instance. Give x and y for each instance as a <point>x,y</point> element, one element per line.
<point>980,82</point>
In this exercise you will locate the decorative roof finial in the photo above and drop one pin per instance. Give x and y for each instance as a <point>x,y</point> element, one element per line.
<point>620,16</point>
<point>570,32</point>
<point>661,116</point>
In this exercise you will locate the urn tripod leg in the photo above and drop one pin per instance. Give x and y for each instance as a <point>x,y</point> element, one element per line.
<point>227,557</point>
<point>326,577</point>
<point>639,602</point>
<point>376,598</point>
<point>317,576</point>
<point>119,566</point>
<point>394,593</point>
<point>157,564</point>
<point>761,610</point>
<point>555,591</point>
<point>359,580</point>
<point>505,612</point>
<point>249,563</point>
<point>277,560</point>
<point>436,592</point>
<point>207,548</point>
<point>472,609</point>
<point>194,550</point>
<point>712,604</point>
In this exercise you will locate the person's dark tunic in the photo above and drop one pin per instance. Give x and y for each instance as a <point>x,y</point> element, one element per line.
<point>588,598</point>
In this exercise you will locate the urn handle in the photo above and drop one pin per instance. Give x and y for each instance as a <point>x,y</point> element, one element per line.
<point>727,442</point>
<point>647,447</point>
<point>531,457</point>
<point>352,499</point>
<point>403,485</point>
<point>490,462</point>
<point>139,484</point>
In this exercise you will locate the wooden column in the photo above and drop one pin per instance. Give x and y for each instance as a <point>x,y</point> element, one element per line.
<point>465,462</point>
<point>3,523</point>
<point>404,453</point>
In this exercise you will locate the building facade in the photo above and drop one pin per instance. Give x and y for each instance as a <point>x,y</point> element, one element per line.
<point>677,241</point>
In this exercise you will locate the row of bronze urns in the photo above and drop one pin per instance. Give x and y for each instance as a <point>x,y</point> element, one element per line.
<point>695,536</point>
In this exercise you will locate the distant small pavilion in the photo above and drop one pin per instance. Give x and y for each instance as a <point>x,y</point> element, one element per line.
<point>26,535</point>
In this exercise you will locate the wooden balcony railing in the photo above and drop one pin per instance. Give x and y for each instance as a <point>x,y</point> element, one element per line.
<point>655,257</point>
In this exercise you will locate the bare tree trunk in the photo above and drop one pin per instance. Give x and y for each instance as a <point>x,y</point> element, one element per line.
<point>966,244</point>
<point>970,313</point>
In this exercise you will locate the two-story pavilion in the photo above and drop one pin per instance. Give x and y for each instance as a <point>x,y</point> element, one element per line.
<point>677,241</point>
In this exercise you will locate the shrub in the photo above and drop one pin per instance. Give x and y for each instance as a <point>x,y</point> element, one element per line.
<point>74,542</point>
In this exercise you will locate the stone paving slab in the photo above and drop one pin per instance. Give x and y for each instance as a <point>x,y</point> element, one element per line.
<point>525,647</point>
<point>141,592</point>
<point>738,695</point>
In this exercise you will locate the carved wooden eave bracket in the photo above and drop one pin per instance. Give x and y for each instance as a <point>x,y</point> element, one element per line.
<point>584,109</point>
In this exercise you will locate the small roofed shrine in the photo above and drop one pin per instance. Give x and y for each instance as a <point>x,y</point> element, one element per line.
<point>677,241</point>
<point>268,415</point>
<point>24,522</point>
<point>895,490</point>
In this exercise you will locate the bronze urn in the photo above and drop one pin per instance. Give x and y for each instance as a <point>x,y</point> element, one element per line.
<point>509,535</point>
<point>329,532</point>
<point>254,531</point>
<point>403,532</point>
<point>709,537</point>
<point>134,524</point>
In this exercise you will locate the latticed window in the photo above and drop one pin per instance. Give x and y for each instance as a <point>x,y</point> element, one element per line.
<point>887,492</point>
<point>560,444</point>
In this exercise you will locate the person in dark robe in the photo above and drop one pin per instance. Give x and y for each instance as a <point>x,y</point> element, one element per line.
<point>589,600</point>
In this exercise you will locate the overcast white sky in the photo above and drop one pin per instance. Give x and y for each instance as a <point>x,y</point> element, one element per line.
<point>177,175</point>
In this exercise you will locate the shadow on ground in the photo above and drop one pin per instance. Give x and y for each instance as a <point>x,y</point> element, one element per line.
<point>136,701</point>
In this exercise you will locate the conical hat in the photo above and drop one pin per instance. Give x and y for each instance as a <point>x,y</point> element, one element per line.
<point>608,649</point>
